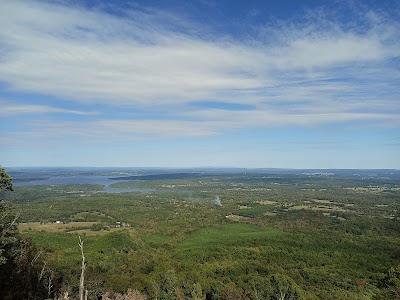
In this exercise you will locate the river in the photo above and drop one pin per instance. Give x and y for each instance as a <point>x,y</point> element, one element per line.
<point>79,179</point>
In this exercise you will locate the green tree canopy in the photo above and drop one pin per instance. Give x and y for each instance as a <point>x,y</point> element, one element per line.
<point>5,181</point>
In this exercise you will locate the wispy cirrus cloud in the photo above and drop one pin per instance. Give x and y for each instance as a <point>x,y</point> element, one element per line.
<point>106,131</point>
<point>303,73</point>
<point>204,123</point>
<point>8,108</point>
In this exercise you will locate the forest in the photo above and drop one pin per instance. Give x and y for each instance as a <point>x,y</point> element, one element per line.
<point>271,235</point>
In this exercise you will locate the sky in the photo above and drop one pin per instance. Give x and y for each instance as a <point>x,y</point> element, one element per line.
<point>257,84</point>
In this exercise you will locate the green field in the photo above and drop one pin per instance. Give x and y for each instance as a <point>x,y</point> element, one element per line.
<point>227,235</point>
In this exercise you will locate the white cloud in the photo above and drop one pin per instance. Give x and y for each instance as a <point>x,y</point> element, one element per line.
<point>206,123</point>
<point>300,76</point>
<point>275,118</point>
<point>105,131</point>
<point>12,109</point>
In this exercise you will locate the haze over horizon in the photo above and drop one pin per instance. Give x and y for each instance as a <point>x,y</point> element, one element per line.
<point>256,84</point>
<point>191,169</point>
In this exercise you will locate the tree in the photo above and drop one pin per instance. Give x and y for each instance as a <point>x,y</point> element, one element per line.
<point>82,279</point>
<point>197,292</point>
<point>284,288</point>
<point>18,276</point>
<point>390,285</point>
<point>5,181</point>
<point>8,225</point>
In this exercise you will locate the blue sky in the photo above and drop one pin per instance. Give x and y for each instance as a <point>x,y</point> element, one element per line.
<point>290,84</point>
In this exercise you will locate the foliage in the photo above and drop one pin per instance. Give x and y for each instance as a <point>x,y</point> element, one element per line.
<point>5,181</point>
<point>8,225</point>
<point>304,237</point>
<point>18,256</point>
<point>390,285</point>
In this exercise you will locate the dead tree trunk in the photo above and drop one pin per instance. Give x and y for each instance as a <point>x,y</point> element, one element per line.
<point>82,281</point>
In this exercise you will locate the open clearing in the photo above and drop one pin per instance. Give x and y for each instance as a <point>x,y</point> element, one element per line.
<point>323,201</point>
<point>55,227</point>
<point>267,202</point>
<point>227,234</point>
<point>72,227</point>
<point>233,217</point>
<point>319,208</point>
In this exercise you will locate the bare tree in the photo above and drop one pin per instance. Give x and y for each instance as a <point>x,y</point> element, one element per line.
<point>82,280</point>
<point>49,284</point>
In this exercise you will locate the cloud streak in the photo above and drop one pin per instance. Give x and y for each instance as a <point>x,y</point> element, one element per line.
<point>9,108</point>
<point>297,74</point>
<point>211,123</point>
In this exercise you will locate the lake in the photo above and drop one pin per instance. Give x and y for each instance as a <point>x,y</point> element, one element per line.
<point>80,179</point>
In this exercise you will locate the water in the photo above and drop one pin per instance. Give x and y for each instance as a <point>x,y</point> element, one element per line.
<point>101,180</point>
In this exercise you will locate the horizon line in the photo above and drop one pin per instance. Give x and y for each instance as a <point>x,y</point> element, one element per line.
<point>197,167</point>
